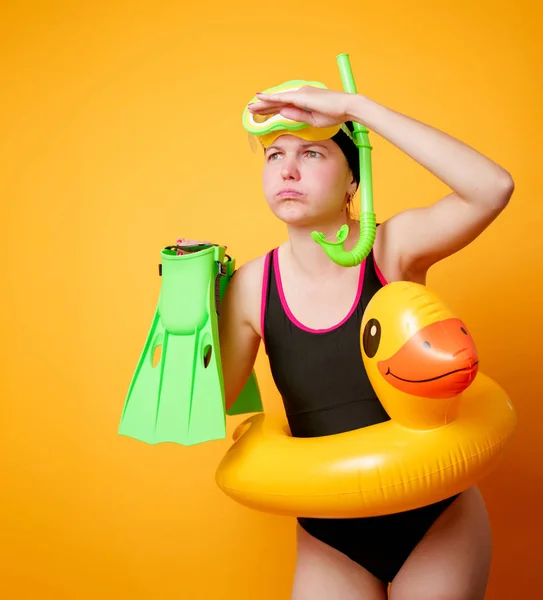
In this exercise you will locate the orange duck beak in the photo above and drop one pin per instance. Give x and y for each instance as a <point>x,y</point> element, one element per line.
<point>439,361</point>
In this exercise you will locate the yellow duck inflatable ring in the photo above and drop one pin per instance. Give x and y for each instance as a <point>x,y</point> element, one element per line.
<point>449,424</point>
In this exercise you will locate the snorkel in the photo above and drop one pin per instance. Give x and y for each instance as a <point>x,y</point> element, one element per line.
<point>336,250</point>
<point>268,129</point>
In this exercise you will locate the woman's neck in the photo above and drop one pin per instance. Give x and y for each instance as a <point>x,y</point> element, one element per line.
<point>307,257</point>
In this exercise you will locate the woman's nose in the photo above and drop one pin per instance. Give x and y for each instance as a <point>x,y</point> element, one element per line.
<point>289,169</point>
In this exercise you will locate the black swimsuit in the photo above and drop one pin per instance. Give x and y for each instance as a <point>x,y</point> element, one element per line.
<point>302,362</point>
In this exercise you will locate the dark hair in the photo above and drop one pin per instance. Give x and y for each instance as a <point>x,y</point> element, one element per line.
<point>349,148</point>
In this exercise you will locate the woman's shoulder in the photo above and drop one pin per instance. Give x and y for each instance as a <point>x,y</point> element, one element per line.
<point>250,273</point>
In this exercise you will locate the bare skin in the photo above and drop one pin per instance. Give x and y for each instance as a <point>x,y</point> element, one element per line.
<point>452,561</point>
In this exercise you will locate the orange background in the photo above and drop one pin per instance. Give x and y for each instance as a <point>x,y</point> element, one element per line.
<point>120,129</point>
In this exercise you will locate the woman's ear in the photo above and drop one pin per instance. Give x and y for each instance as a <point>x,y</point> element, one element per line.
<point>353,186</point>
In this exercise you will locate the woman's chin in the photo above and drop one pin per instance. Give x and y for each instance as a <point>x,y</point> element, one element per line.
<point>302,217</point>
<point>295,220</point>
<point>294,213</point>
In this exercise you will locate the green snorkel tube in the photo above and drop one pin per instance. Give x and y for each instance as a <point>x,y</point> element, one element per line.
<point>336,250</point>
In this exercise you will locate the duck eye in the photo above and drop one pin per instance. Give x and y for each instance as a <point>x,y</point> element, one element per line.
<point>371,337</point>
<point>463,331</point>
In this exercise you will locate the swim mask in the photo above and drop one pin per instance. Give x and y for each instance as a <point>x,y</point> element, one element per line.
<point>267,128</point>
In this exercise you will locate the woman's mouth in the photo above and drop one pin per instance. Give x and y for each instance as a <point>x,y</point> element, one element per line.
<point>290,193</point>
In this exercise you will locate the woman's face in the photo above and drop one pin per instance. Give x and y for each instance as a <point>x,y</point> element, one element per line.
<point>306,183</point>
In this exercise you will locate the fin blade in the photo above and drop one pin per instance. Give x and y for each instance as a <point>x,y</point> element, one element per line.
<point>249,400</point>
<point>207,418</point>
<point>138,416</point>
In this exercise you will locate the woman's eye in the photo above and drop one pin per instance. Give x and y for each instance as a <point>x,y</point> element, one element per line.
<point>310,153</point>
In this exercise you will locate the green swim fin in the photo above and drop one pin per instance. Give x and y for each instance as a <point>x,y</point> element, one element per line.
<point>178,396</point>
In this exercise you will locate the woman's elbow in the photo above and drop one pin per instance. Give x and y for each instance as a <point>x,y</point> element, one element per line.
<point>505,186</point>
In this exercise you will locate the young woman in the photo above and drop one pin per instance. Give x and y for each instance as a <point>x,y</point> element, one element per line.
<point>307,310</point>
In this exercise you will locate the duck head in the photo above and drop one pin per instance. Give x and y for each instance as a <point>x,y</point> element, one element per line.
<point>419,356</point>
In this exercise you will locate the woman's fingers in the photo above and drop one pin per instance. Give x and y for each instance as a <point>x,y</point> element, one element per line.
<point>297,114</point>
<point>293,97</point>
<point>270,108</point>
<point>263,110</point>
<point>271,101</point>
<point>187,242</point>
<point>267,106</point>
